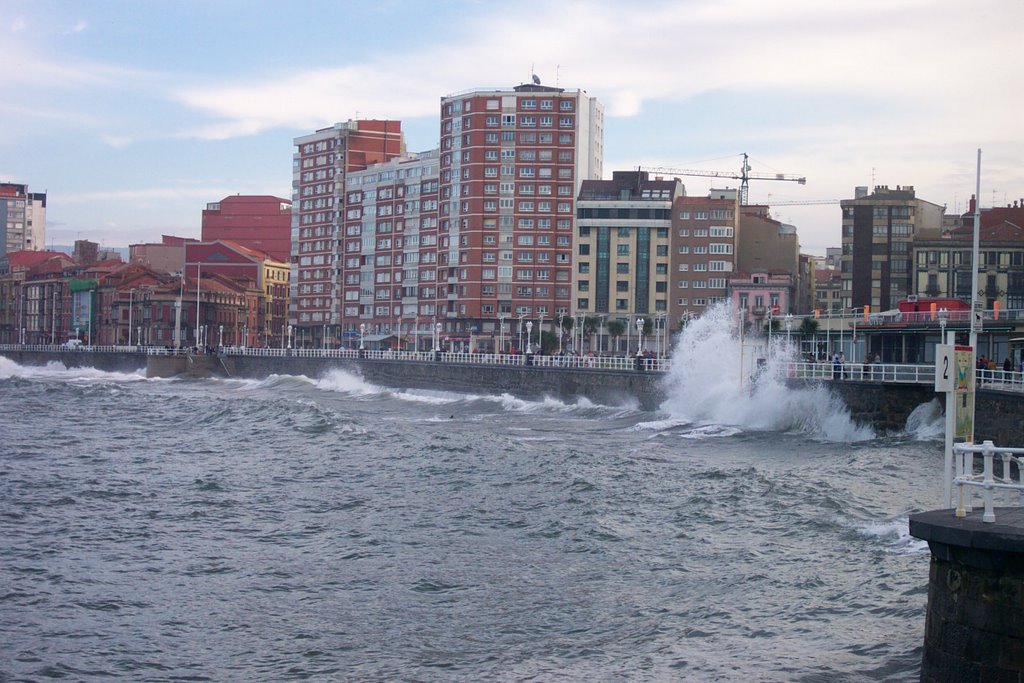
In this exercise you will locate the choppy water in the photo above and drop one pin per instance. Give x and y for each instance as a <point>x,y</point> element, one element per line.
<point>298,529</point>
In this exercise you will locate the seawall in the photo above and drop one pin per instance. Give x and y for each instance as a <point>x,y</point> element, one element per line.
<point>999,415</point>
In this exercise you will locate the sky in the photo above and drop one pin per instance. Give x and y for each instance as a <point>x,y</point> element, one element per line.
<point>132,115</point>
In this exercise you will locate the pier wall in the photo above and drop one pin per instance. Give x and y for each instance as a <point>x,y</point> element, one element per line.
<point>108,362</point>
<point>643,390</point>
<point>973,628</point>
<point>999,416</point>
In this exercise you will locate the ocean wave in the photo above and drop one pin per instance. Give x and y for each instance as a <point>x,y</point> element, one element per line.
<point>55,370</point>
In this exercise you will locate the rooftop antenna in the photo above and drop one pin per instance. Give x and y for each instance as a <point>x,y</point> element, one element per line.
<point>558,75</point>
<point>872,178</point>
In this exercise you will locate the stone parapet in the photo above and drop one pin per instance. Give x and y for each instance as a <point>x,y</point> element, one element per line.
<point>973,630</point>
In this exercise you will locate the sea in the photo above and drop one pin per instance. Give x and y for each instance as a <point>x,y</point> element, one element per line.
<point>325,529</point>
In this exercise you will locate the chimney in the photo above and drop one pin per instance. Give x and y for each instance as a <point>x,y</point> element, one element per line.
<point>970,205</point>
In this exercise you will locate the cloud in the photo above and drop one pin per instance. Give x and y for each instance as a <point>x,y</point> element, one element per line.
<point>116,141</point>
<point>668,51</point>
<point>79,26</point>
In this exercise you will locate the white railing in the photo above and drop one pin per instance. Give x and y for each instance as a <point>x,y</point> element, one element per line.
<point>967,478</point>
<point>889,373</point>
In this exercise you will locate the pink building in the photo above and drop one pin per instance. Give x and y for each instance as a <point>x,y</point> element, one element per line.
<point>763,295</point>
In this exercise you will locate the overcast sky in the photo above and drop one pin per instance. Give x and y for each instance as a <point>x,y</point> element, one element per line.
<point>132,115</point>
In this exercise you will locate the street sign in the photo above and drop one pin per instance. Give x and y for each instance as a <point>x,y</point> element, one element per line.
<point>945,368</point>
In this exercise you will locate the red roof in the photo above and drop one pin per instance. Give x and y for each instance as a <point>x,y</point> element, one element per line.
<point>27,259</point>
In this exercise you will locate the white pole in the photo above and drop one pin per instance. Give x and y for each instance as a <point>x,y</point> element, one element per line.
<point>975,312</point>
<point>198,265</point>
<point>131,295</point>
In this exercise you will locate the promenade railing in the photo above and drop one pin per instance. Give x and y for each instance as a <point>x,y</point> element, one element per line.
<point>972,477</point>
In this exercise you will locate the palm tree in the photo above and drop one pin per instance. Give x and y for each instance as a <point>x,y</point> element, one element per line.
<point>615,330</point>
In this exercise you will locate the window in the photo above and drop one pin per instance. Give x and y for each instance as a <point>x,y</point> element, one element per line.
<point>622,249</point>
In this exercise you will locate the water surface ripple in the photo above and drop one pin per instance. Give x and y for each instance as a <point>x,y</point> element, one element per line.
<point>298,529</point>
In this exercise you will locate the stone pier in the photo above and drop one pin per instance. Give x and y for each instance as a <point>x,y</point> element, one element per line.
<point>974,630</point>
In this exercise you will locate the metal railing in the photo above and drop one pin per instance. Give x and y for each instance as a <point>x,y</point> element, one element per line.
<point>968,478</point>
<point>889,373</point>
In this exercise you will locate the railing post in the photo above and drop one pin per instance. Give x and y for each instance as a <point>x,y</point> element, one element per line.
<point>986,451</point>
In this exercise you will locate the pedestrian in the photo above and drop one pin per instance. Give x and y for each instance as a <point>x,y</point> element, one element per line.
<point>842,365</point>
<point>836,367</point>
<point>1007,365</point>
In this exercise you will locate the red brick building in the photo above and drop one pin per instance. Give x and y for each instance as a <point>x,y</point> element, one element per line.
<point>511,165</point>
<point>261,222</point>
<point>319,167</point>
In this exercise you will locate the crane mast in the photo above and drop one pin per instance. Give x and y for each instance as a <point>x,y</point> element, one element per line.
<point>744,176</point>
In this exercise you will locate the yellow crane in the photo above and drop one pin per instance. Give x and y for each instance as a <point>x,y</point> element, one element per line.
<point>744,176</point>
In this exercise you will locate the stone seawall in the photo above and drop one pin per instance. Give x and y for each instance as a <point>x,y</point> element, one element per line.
<point>999,415</point>
<point>885,407</point>
<point>640,389</point>
<point>106,361</point>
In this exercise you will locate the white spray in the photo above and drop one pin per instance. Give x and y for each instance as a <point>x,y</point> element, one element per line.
<point>717,380</point>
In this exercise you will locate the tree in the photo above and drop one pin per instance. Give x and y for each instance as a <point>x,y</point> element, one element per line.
<point>615,330</point>
<point>808,326</point>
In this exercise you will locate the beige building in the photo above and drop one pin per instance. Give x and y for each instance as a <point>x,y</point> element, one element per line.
<point>622,252</point>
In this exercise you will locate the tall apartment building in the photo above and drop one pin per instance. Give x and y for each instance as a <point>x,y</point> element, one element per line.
<point>879,230</point>
<point>622,250</point>
<point>320,164</point>
<point>260,222</point>
<point>511,165</point>
<point>705,232</point>
<point>22,217</point>
<point>389,252</point>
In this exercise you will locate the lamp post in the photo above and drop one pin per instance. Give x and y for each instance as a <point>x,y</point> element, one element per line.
<point>640,336</point>
<point>789,327</point>
<point>501,334</point>
<point>362,336</point>
<point>138,334</point>
<point>437,337</point>
<point>560,334</point>
<point>198,276</point>
<point>943,317</point>
<point>529,335</point>
<point>131,295</point>
<point>289,336</point>
<point>221,340</point>
<point>245,336</point>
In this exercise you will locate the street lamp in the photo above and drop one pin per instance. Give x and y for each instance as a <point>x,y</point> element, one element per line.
<point>560,334</point>
<point>362,336</point>
<point>640,336</point>
<point>245,335</point>
<point>437,337</point>
<point>289,336</point>
<point>789,327</point>
<point>131,294</point>
<point>221,342</point>
<point>943,317</point>
<point>529,335</point>
<point>501,334</point>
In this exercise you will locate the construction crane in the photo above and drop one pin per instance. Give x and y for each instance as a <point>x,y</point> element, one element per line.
<point>744,176</point>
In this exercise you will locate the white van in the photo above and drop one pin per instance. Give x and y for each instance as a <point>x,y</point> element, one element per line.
<point>72,344</point>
